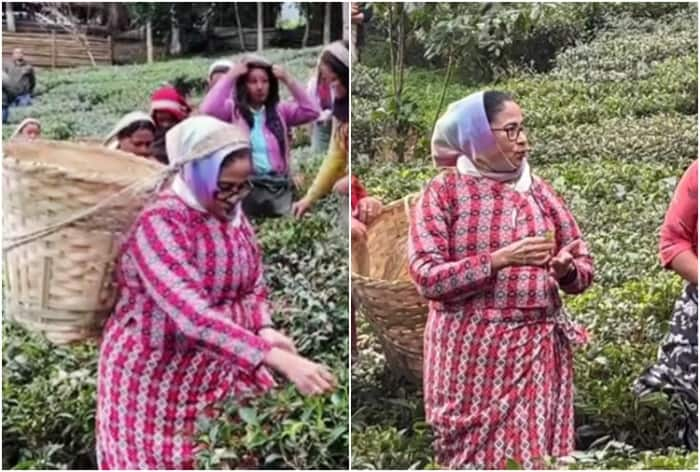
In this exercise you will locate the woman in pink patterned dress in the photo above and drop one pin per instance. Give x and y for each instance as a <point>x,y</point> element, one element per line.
<point>191,325</point>
<point>490,246</point>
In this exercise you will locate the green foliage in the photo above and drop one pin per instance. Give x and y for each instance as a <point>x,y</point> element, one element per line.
<point>48,402</point>
<point>490,40</point>
<point>389,448</point>
<point>662,138</point>
<point>630,50</point>
<point>87,102</point>
<point>634,65</point>
<point>620,108</point>
<point>621,456</point>
<point>277,431</point>
<point>367,91</point>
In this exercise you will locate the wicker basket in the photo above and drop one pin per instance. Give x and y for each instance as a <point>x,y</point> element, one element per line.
<point>387,297</point>
<point>90,141</point>
<point>61,283</point>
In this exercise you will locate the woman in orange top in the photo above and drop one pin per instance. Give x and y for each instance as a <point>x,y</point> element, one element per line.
<point>676,370</point>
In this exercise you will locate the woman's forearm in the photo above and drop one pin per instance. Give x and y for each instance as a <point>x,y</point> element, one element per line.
<point>685,264</point>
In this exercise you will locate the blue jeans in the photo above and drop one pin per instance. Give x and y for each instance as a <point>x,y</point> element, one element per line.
<point>321,137</point>
<point>5,114</point>
<point>23,100</point>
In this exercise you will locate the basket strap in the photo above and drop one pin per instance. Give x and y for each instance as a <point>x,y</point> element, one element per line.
<point>407,200</point>
<point>152,184</point>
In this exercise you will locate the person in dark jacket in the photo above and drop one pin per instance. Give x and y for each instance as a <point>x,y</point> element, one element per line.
<point>21,79</point>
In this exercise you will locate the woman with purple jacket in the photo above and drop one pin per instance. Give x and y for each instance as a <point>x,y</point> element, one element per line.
<point>248,96</point>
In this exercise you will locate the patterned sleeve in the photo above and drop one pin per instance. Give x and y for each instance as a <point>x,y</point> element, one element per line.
<point>161,254</point>
<point>299,110</point>
<point>218,101</point>
<point>567,231</point>
<point>678,231</point>
<point>333,168</point>
<point>436,276</point>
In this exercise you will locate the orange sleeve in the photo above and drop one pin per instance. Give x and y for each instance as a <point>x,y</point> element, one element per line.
<point>679,231</point>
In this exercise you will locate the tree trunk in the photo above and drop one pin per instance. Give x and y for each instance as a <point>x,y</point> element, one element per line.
<point>346,21</point>
<point>392,52</point>
<point>10,15</point>
<point>402,66</point>
<point>398,65</point>
<point>117,17</point>
<point>205,29</point>
<point>149,42</point>
<point>402,44</point>
<point>327,24</point>
<point>448,77</point>
<point>240,28</point>
<point>175,44</point>
<point>307,28</point>
<point>261,42</point>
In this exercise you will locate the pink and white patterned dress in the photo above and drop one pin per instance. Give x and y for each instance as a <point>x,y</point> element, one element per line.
<point>182,336</point>
<point>498,361</point>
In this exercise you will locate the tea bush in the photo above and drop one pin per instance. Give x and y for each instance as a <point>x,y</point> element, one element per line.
<point>633,69</point>
<point>87,102</point>
<point>48,403</point>
<point>49,393</point>
<point>633,55</point>
<point>496,41</point>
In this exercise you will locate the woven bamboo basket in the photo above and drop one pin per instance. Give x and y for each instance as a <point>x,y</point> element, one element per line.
<point>90,141</point>
<point>60,283</point>
<point>386,295</point>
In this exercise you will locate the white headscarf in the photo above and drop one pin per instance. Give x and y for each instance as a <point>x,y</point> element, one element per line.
<point>24,123</point>
<point>220,64</point>
<point>339,51</point>
<point>112,141</point>
<point>464,132</point>
<point>198,146</point>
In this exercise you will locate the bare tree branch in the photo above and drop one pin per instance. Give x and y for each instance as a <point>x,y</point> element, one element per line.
<point>59,14</point>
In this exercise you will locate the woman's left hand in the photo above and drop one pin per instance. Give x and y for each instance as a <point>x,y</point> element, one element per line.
<point>300,208</point>
<point>563,262</point>
<point>280,72</point>
<point>368,209</point>
<point>277,339</point>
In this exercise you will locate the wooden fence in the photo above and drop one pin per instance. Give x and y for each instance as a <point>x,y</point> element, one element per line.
<point>57,50</point>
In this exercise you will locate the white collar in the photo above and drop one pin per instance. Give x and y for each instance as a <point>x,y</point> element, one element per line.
<point>183,191</point>
<point>466,167</point>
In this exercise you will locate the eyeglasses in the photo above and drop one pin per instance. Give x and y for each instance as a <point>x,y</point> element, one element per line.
<point>512,132</point>
<point>227,190</point>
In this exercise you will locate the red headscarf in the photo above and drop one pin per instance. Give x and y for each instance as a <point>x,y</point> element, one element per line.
<point>357,192</point>
<point>168,99</point>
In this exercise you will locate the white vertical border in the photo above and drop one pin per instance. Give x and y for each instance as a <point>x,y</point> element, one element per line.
<point>347,11</point>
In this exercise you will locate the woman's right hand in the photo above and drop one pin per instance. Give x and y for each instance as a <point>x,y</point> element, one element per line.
<point>300,208</point>
<point>238,69</point>
<point>309,377</point>
<point>533,251</point>
<point>358,230</point>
